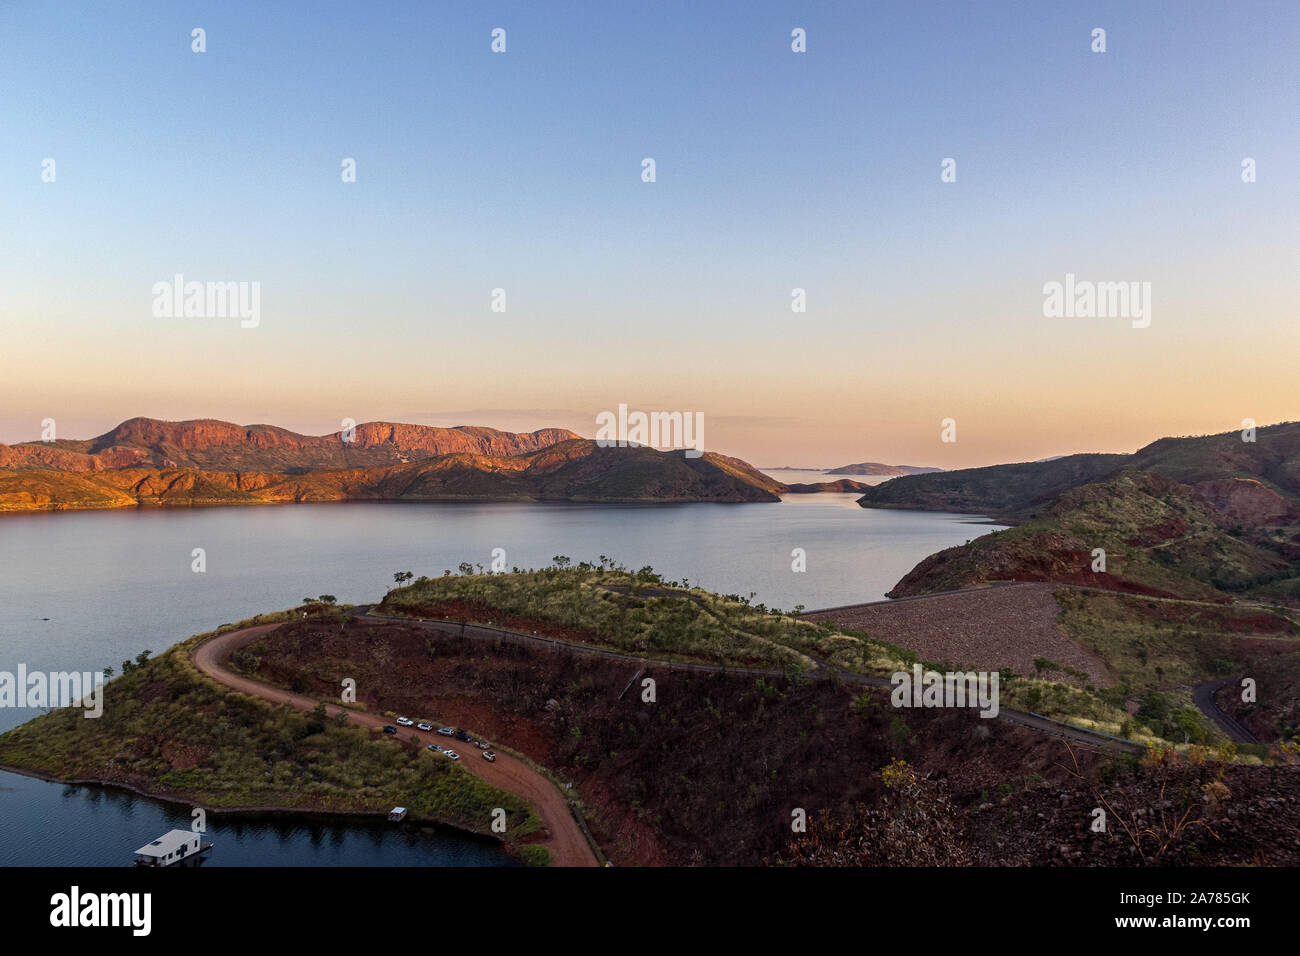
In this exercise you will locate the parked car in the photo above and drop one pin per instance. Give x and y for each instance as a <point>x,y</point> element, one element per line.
<point>406,721</point>
<point>452,754</point>
<point>489,756</point>
<point>446,731</point>
<point>461,735</point>
<point>436,748</point>
<point>389,729</point>
<point>481,744</point>
<point>424,725</point>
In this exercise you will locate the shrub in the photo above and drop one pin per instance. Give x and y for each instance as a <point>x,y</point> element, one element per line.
<point>534,855</point>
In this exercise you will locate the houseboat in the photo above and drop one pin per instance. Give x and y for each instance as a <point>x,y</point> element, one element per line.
<point>171,848</point>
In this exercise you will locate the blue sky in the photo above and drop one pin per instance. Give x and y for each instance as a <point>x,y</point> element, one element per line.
<point>775,170</point>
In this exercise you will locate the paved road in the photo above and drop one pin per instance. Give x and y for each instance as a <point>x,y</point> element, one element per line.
<point>1203,694</point>
<point>566,841</point>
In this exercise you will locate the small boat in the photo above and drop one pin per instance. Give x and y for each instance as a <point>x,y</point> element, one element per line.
<point>397,814</point>
<point>173,848</point>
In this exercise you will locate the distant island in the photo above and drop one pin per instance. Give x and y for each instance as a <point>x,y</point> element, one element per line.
<point>876,468</point>
<point>145,462</point>
<point>841,485</point>
<point>864,468</point>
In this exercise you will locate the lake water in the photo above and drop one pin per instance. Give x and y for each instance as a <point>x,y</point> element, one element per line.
<point>99,826</point>
<point>85,590</point>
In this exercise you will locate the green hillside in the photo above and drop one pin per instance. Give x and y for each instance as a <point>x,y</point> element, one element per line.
<point>1018,491</point>
<point>1159,538</point>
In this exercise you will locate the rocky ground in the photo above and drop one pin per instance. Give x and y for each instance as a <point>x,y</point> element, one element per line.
<point>984,630</point>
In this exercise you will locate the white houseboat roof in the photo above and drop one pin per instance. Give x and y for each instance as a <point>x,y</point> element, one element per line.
<point>169,842</point>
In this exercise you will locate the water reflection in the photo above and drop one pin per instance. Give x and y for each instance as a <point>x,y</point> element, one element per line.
<point>107,825</point>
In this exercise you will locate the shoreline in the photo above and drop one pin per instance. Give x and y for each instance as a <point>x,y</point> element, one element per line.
<point>208,653</point>
<point>340,816</point>
<point>190,799</point>
<point>466,499</point>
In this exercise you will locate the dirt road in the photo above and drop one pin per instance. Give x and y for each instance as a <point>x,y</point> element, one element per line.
<point>566,842</point>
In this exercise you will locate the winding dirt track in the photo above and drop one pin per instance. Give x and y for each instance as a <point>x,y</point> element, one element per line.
<point>566,842</point>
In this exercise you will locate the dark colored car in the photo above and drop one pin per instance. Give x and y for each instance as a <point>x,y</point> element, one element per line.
<point>461,735</point>
<point>389,729</point>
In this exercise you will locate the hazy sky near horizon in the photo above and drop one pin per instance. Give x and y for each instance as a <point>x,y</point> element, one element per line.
<point>775,170</point>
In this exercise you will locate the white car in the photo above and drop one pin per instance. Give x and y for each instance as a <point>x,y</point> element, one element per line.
<point>489,756</point>
<point>452,754</point>
<point>406,721</point>
<point>447,731</point>
<point>424,725</point>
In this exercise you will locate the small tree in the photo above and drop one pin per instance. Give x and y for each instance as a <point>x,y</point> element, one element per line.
<point>316,723</point>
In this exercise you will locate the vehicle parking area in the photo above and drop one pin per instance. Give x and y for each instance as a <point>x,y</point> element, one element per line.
<point>455,733</point>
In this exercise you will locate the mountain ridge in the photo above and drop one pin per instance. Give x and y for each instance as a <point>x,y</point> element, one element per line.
<point>573,470</point>
<point>1016,492</point>
<point>209,444</point>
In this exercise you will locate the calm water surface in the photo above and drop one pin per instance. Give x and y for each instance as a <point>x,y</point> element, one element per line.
<point>99,826</point>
